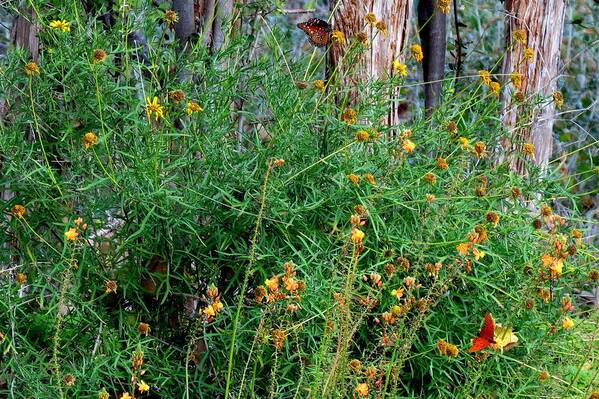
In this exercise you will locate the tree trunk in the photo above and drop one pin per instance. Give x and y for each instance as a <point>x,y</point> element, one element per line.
<point>376,61</point>
<point>432,24</point>
<point>24,34</point>
<point>542,20</point>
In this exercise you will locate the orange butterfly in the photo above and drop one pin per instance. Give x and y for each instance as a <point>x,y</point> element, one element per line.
<point>486,335</point>
<point>318,31</point>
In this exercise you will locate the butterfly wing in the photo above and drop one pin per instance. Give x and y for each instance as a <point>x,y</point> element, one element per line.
<point>485,336</point>
<point>478,344</point>
<point>488,330</point>
<point>318,31</point>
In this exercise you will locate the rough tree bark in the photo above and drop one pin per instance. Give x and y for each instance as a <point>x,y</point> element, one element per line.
<point>211,15</point>
<point>543,22</point>
<point>433,36</point>
<point>376,62</point>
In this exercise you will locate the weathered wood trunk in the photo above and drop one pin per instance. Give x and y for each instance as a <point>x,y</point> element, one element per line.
<point>376,61</point>
<point>542,20</point>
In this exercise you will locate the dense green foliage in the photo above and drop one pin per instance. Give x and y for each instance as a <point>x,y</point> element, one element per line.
<point>178,216</point>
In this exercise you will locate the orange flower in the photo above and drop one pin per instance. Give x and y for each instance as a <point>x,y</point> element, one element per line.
<point>463,248</point>
<point>353,178</point>
<point>495,88</point>
<point>567,323</point>
<point>442,163</point>
<point>362,135</point>
<point>31,69</point>
<point>20,278</point>
<point>430,178</point>
<point>357,235</point>
<point>362,390</point>
<point>318,85</point>
<point>110,286</point>
<point>408,146</point>
<point>89,140</point>
<point>529,149</point>
<point>370,179</point>
<point>71,234</point>
<point>381,26</point>
<point>350,116</point>
<point>143,328</point>
<point>480,149</point>
<point>18,210</point>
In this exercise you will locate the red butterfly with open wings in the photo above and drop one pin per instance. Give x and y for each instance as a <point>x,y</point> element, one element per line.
<point>318,31</point>
<point>485,336</point>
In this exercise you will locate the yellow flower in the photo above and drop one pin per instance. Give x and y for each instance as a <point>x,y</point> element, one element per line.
<point>430,198</point>
<point>338,37</point>
<point>478,254</point>
<point>18,210</point>
<point>381,26</point>
<point>31,69</point>
<point>520,35</point>
<point>319,85</point>
<point>89,140</point>
<point>362,390</point>
<point>465,143</point>
<point>103,394</point>
<point>401,69</point>
<point>558,99</point>
<point>370,18</point>
<point>444,6</point>
<point>71,234</point>
<point>192,107</point>
<point>362,135</point>
<point>61,25</point>
<point>567,323</point>
<point>529,149</point>
<point>516,79</point>
<point>209,311</point>
<point>171,17</point>
<point>142,387</point>
<point>154,108</point>
<point>408,146</point>
<point>528,54</point>
<point>495,88</point>
<point>417,52</point>
<point>484,76</point>
<point>357,235</point>
<point>126,396</point>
